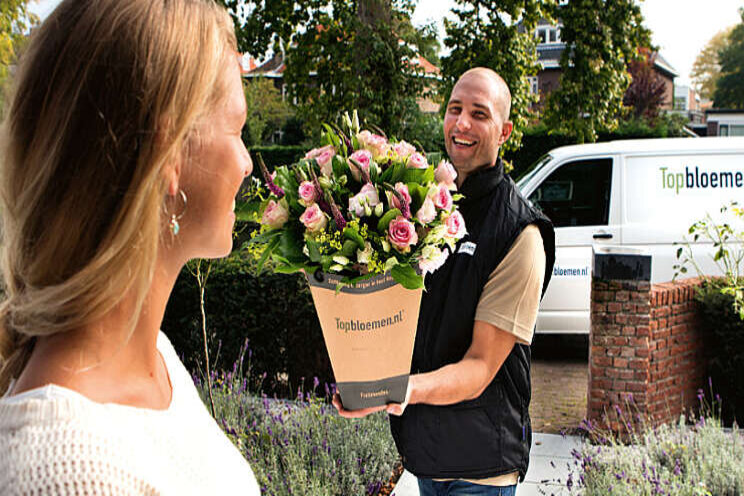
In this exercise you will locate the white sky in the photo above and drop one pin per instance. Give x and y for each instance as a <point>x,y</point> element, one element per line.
<point>680,27</point>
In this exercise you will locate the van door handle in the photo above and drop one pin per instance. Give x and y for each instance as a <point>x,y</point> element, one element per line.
<point>602,236</point>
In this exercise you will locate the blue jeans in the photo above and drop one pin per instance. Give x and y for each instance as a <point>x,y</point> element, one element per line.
<point>429,487</point>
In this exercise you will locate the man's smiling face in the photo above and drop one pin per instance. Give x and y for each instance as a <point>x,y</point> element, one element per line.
<point>474,125</point>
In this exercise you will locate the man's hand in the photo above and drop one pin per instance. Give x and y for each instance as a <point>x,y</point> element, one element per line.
<point>391,408</point>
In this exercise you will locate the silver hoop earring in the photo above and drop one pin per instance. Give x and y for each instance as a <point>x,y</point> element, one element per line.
<point>175,227</point>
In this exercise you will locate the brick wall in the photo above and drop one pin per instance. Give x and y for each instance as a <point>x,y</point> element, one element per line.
<point>646,350</point>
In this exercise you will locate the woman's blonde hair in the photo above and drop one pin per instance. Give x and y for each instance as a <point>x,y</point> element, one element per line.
<point>107,92</point>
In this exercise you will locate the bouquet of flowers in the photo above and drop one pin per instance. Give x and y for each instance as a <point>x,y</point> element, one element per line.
<point>359,205</point>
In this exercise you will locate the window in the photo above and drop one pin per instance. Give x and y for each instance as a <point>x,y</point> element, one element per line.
<point>548,34</point>
<point>723,130</point>
<point>736,130</point>
<point>534,89</point>
<point>577,193</point>
<point>680,103</point>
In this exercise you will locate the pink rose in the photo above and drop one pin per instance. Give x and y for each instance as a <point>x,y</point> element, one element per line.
<point>402,189</point>
<point>404,150</point>
<point>313,218</point>
<point>455,226</point>
<point>363,202</point>
<point>307,193</point>
<point>375,143</point>
<point>402,234</point>
<point>443,198</point>
<point>417,161</point>
<point>446,173</point>
<point>275,215</point>
<point>324,157</point>
<point>427,212</point>
<point>363,158</point>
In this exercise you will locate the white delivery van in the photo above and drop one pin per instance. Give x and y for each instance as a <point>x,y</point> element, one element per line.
<point>637,195</point>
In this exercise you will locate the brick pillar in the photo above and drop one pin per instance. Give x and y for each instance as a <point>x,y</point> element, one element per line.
<point>619,361</point>
<point>646,345</point>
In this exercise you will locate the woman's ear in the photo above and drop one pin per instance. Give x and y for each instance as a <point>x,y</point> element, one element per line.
<point>172,174</point>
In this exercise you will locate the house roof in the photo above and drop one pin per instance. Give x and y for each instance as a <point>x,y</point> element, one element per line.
<point>275,66</point>
<point>549,56</point>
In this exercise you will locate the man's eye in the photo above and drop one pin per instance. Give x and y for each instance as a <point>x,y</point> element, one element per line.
<point>454,110</point>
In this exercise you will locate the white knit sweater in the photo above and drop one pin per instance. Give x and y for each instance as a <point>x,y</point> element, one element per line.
<point>54,441</point>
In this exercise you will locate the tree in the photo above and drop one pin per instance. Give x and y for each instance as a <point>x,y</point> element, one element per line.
<point>706,70</point>
<point>355,55</point>
<point>645,95</point>
<point>266,112</point>
<point>730,86</point>
<point>15,19</point>
<point>340,55</point>
<point>602,37</point>
<point>498,35</point>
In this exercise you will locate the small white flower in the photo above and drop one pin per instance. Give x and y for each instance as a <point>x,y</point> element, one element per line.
<point>340,259</point>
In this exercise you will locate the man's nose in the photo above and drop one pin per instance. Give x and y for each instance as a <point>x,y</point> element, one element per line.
<point>463,123</point>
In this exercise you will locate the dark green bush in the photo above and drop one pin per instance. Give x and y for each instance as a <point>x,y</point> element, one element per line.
<point>537,139</point>
<point>725,344</point>
<point>275,156</point>
<point>273,312</point>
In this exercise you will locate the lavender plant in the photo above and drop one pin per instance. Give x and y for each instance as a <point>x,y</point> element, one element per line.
<point>673,459</point>
<point>301,447</point>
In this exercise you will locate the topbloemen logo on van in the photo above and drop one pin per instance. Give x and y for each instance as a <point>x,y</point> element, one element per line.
<point>697,178</point>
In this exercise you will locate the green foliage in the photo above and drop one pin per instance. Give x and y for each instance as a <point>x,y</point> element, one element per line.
<point>539,139</point>
<point>349,56</point>
<point>706,69</point>
<point>722,302</point>
<point>266,113</point>
<point>15,19</point>
<point>426,131</point>
<point>601,37</point>
<point>727,238</point>
<point>724,330</point>
<point>273,311</point>
<point>303,447</point>
<point>729,91</point>
<point>276,155</point>
<point>489,34</point>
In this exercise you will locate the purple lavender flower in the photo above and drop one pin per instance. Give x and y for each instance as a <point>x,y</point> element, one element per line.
<point>275,190</point>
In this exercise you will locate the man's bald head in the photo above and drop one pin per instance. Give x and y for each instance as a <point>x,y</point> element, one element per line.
<point>500,89</point>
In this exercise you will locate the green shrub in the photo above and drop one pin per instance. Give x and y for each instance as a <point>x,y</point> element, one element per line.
<point>539,140</point>
<point>275,156</point>
<point>725,347</point>
<point>273,312</point>
<point>722,303</point>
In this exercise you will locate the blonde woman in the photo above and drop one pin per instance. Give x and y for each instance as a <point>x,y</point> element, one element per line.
<point>121,161</point>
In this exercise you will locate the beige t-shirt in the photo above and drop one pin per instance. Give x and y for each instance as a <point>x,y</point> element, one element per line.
<point>510,300</point>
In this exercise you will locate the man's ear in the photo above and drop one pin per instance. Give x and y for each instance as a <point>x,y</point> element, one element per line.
<point>506,130</point>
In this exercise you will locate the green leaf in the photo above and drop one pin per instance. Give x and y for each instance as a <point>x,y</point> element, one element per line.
<point>353,234</point>
<point>407,277</point>
<point>314,249</point>
<point>266,253</point>
<point>265,237</point>
<point>385,220</point>
<point>290,246</point>
<point>349,249</point>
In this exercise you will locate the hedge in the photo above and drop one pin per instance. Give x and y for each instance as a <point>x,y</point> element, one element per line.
<point>275,156</point>
<point>273,312</point>
<point>724,331</point>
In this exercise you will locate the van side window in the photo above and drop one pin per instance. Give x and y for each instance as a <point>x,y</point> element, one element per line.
<point>577,193</point>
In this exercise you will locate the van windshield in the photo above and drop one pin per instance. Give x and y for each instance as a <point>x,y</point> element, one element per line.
<point>532,170</point>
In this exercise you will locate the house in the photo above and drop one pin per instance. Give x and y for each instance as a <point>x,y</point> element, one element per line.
<point>550,48</point>
<point>725,122</point>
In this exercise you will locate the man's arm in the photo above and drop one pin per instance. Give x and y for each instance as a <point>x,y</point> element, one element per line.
<point>468,378</point>
<point>456,382</point>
